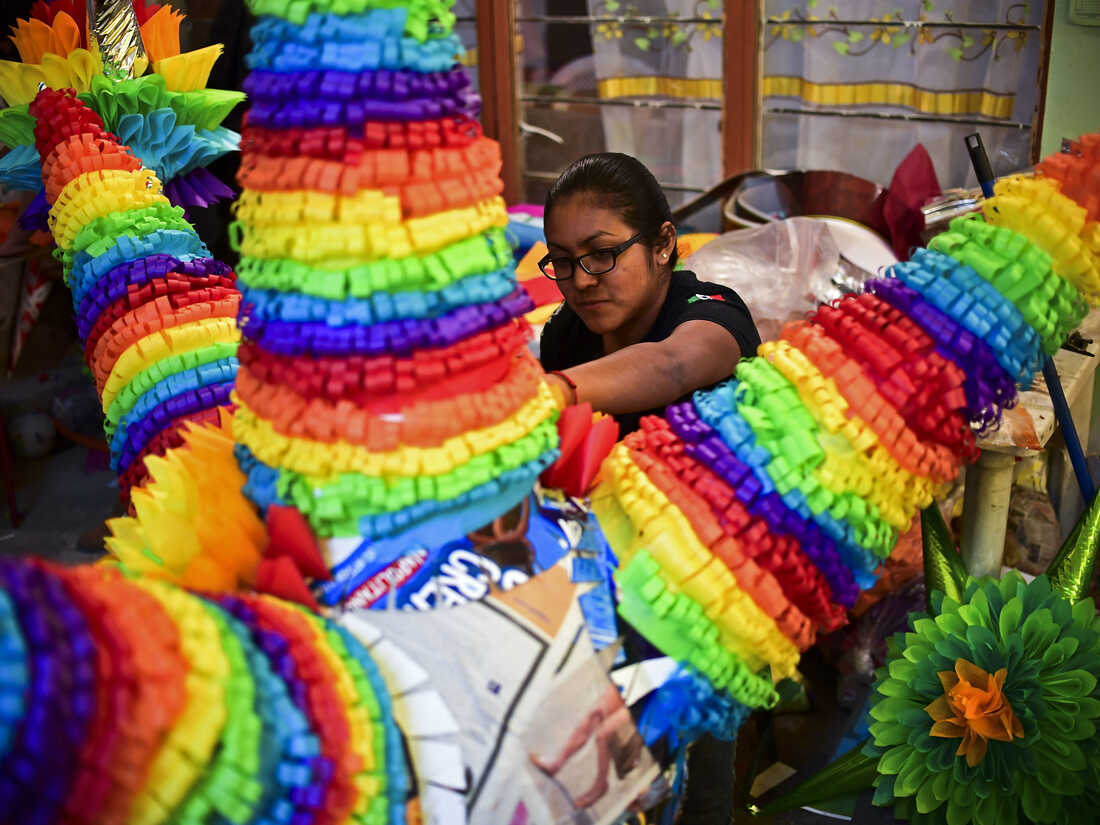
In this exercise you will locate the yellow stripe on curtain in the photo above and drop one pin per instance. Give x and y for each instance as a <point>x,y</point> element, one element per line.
<point>662,86</point>
<point>927,101</point>
<point>469,57</point>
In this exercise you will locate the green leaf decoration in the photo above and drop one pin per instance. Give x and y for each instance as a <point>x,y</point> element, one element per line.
<point>900,40</point>
<point>1051,655</point>
<point>933,629</point>
<point>926,796</point>
<point>946,624</point>
<point>1037,627</point>
<point>901,669</point>
<point>1033,801</point>
<point>911,775</point>
<point>941,786</point>
<point>941,761</point>
<point>884,793</point>
<point>956,54</point>
<point>612,5</point>
<point>928,5</point>
<point>797,34</point>
<point>1060,782</point>
<point>967,41</point>
<point>642,43</point>
<point>1054,655</point>
<point>855,36</point>
<point>1073,683</point>
<point>886,734</point>
<point>979,603</point>
<point>893,760</point>
<point>893,688</point>
<point>840,47</point>
<point>1089,707</point>
<point>957,814</point>
<point>1075,759</point>
<point>1010,618</point>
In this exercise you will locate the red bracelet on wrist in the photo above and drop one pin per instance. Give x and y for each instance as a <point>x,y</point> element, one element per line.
<point>568,381</point>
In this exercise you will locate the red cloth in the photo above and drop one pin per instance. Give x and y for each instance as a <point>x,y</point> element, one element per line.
<point>913,185</point>
<point>542,290</point>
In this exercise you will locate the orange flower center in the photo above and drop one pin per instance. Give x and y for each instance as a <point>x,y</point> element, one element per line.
<point>973,709</point>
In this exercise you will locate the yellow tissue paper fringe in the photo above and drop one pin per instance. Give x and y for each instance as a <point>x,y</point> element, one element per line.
<point>190,71</point>
<point>852,449</point>
<point>19,81</point>
<point>1036,209</point>
<point>193,526</point>
<point>690,568</point>
<point>98,193</point>
<point>285,227</point>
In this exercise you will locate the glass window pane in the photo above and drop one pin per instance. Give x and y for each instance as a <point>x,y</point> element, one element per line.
<point>643,78</point>
<point>466,29</point>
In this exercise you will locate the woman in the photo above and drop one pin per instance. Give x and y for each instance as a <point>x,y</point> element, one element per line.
<point>634,336</point>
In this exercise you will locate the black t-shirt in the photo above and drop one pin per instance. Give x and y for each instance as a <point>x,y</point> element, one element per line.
<point>567,342</point>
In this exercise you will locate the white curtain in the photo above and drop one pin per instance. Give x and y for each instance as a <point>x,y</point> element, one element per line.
<point>891,68</point>
<point>680,145</point>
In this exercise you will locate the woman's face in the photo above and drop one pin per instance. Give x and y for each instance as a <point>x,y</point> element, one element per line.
<point>605,303</point>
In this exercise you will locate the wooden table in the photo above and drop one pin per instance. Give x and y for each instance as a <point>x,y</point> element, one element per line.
<point>1027,429</point>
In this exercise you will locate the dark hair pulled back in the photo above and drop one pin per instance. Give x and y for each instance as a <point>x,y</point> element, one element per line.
<point>622,183</point>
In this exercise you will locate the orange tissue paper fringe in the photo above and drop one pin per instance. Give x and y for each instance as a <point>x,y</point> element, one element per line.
<point>161,33</point>
<point>973,709</point>
<point>36,38</point>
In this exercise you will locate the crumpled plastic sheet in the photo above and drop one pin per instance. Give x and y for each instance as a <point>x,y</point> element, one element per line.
<point>781,270</point>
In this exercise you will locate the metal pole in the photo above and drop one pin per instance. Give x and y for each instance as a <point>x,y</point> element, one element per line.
<point>1069,430</point>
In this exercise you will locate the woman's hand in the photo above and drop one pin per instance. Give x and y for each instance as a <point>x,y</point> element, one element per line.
<point>565,392</point>
<point>649,375</point>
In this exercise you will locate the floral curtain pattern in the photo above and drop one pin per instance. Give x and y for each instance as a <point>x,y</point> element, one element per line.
<point>850,85</point>
<point>952,68</point>
<point>675,60</point>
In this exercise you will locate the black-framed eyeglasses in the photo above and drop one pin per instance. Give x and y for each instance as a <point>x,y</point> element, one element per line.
<point>600,262</point>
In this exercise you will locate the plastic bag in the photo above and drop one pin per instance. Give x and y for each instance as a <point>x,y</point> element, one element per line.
<point>781,269</point>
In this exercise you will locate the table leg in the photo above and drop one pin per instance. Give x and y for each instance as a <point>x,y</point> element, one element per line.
<point>985,512</point>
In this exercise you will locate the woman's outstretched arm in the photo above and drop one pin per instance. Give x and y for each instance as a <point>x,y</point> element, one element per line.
<point>648,375</point>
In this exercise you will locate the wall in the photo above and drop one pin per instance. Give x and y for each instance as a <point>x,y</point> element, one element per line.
<point>1073,105</point>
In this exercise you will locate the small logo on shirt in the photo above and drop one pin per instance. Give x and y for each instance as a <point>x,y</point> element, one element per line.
<point>694,299</point>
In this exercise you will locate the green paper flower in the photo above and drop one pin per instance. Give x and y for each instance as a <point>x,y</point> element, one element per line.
<point>1051,652</point>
